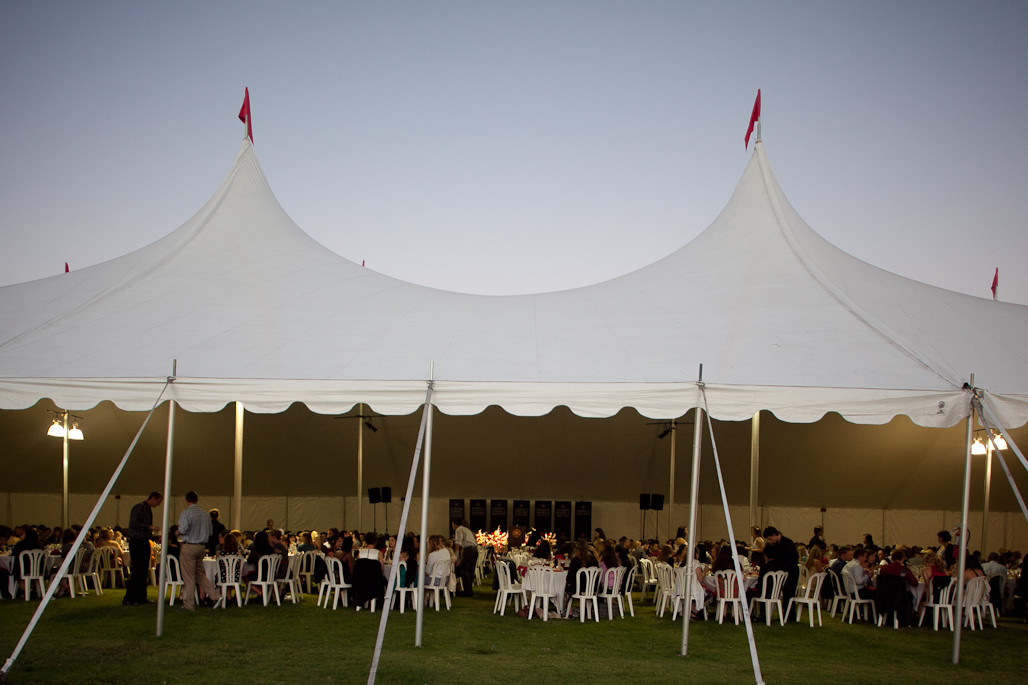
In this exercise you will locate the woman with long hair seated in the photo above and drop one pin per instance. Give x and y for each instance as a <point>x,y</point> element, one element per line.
<point>371,550</point>
<point>608,559</point>
<point>542,550</point>
<point>261,548</point>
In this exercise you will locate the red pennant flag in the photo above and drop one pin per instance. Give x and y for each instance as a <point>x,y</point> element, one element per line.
<point>244,115</point>
<point>995,283</point>
<point>66,269</point>
<point>753,118</point>
<point>362,262</point>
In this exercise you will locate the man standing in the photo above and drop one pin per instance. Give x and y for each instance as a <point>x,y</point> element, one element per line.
<point>818,540</point>
<point>464,540</point>
<point>786,559</point>
<point>140,532</point>
<point>194,525</point>
<point>217,528</point>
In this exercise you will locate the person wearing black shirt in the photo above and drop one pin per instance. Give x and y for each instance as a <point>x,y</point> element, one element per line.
<point>140,532</point>
<point>786,559</point>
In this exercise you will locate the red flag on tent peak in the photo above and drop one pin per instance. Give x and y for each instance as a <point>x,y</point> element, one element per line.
<point>995,283</point>
<point>244,114</point>
<point>754,116</point>
<point>66,269</point>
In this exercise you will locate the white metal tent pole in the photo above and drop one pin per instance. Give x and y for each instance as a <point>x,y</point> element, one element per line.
<point>165,514</point>
<point>694,491</point>
<point>237,476</point>
<point>754,468</point>
<point>64,501</point>
<point>393,572</point>
<point>70,556</point>
<point>426,472</point>
<point>360,467</point>
<point>740,583</point>
<point>965,507</point>
<point>671,486</point>
<point>988,488</point>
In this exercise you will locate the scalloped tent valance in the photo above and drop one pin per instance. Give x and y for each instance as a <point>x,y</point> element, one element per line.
<point>256,311</point>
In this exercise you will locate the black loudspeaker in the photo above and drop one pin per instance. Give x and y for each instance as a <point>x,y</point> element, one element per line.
<point>374,495</point>
<point>387,495</point>
<point>644,502</point>
<point>657,502</point>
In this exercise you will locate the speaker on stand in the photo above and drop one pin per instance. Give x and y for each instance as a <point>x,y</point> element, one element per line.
<point>374,497</point>
<point>657,504</point>
<point>387,497</point>
<point>644,506</point>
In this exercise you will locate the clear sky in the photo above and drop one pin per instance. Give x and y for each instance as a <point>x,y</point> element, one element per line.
<point>520,147</point>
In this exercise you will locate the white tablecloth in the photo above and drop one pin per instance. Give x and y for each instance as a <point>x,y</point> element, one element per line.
<point>711,586</point>
<point>536,577</point>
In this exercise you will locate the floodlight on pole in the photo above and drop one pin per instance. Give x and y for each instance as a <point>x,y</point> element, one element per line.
<point>978,448</point>
<point>59,429</point>
<point>998,442</point>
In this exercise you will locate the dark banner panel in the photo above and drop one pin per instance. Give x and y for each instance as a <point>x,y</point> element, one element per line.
<point>477,520</point>
<point>521,513</point>
<point>562,519</point>
<point>543,516</point>
<point>583,520</point>
<point>498,515</point>
<point>457,510</point>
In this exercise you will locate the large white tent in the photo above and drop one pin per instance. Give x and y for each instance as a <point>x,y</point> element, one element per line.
<point>257,312</point>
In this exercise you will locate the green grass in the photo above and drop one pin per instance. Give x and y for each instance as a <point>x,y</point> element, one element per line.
<point>96,640</point>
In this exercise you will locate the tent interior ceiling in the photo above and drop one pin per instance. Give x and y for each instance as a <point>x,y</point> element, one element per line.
<point>831,463</point>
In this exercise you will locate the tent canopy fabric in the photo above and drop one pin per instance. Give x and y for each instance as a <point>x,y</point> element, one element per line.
<point>255,310</point>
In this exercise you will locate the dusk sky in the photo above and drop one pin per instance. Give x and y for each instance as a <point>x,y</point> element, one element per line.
<point>504,148</point>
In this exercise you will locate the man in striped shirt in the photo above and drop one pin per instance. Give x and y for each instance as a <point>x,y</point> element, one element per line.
<point>194,525</point>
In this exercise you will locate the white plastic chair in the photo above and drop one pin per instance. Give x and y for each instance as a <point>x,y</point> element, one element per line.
<point>172,579</point>
<point>628,585</point>
<point>108,566</point>
<point>855,602</point>
<point>230,577</point>
<point>508,590</point>
<point>811,598</point>
<point>771,596</point>
<point>75,575</point>
<point>801,583</point>
<point>727,594</point>
<point>648,579</point>
<point>334,583</point>
<point>93,573</point>
<point>665,587</point>
<point>306,570</point>
<point>973,592</point>
<point>945,604</point>
<point>544,588</point>
<point>679,602</point>
<point>987,605</point>
<point>401,593</point>
<point>267,567</point>
<point>438,581</point>
<point>585,593</point>
<point>30,562</point>
<point>610,590</point>
<point>290,580</point>
<point>840,594</point>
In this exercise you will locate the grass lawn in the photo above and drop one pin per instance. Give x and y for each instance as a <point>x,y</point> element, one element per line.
<point>96,640</point>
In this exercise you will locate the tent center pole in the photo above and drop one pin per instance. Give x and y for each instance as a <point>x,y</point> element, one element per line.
<point>754,468</point>
<point>237,476</point>
<point>64,502</point>
<point>985,506</point>
<point>671,485</point>
<point>360,467</point>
